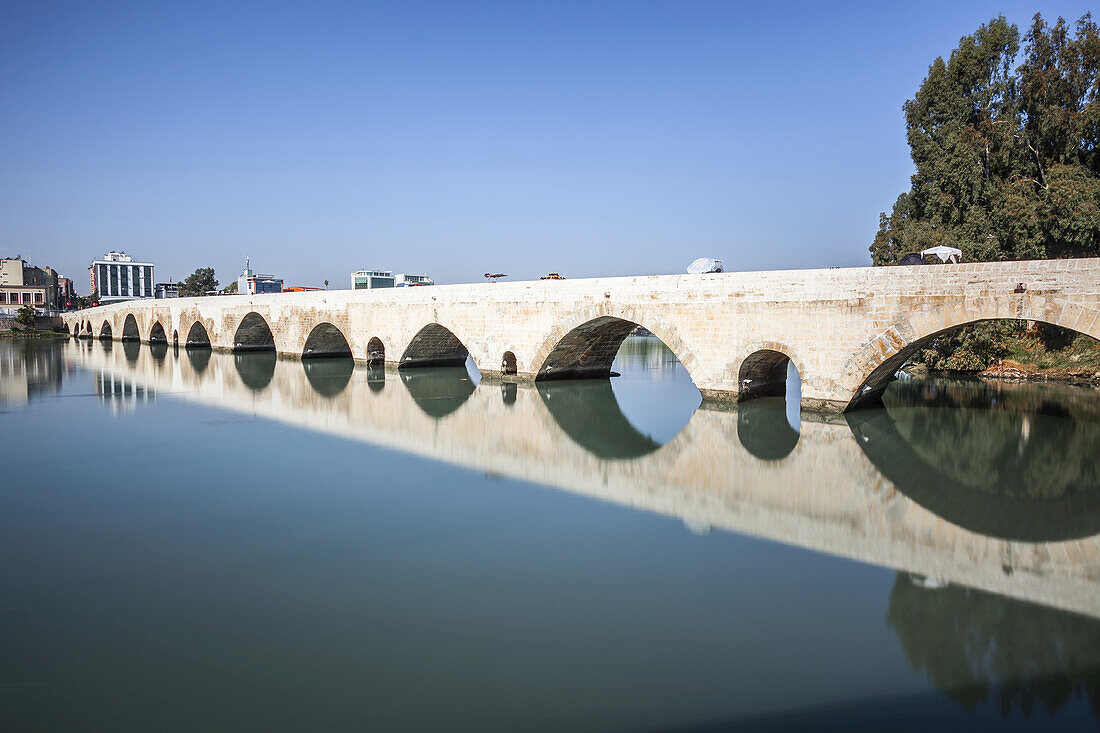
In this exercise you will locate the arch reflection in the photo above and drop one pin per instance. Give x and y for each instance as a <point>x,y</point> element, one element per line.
<point>1001,460</point>
<point>199,358</point>
<point>589,414</point>
<point>438,391</point>
<point>158,350</point>
<point>376,377</point>
<point>328,377</point>
<point>131,349</point>
<point>763,428</point>
<point>256,368</point>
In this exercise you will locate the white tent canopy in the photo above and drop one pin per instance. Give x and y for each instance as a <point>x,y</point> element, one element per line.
<point>946,254</point>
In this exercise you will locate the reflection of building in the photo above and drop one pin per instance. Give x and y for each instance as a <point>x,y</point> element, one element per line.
<point>22,284</point>
<point>167,290</point>
<point>27,372</point>
<point>249,283</point>
<point>118,277</point>
<point>404,279</point>
<point>121,394</point>
<point>372,279</point>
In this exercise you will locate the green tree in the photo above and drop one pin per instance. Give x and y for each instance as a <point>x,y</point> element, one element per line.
<point>25,317</point>
<point>230,288</point>
<point>1007,159</point>
<point>198,283</point>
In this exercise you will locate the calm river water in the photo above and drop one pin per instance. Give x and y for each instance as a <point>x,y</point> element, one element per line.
<point>193,540</point>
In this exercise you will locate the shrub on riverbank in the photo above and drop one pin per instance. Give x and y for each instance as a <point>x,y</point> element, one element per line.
<point>1014,349</point>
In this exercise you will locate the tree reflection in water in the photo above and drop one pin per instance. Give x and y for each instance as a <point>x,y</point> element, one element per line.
<point>980,648</point>
<point>1009,461</point>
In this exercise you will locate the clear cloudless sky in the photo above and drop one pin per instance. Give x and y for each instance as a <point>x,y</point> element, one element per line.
<point>455,138</point>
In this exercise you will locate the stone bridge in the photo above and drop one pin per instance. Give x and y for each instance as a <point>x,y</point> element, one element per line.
<point>847,330</point>
<point>823,490</point>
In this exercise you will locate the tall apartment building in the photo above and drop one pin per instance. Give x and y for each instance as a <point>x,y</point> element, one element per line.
<point>118,277</point>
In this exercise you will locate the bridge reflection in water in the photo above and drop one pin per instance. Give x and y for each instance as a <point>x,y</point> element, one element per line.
<point>964,496</point>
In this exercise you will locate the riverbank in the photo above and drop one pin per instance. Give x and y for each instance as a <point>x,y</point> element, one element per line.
<point>34,335</point>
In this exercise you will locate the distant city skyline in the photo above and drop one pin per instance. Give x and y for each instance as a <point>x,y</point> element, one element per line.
<point>588,139</point>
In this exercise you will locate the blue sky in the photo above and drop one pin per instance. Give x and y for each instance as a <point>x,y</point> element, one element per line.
<point>457,138</point>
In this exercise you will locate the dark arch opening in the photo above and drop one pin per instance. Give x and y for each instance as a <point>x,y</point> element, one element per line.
<point>326,341</point>
<point>588,351</point>
<point>156,334</point>
<point>86,330</point>
<point>590,415</point>
<point>175,337</point>
<point>255,369</point>
<point>508,363</point>
<point>105,331</point>
<point>1011,461</point>
<point>130,330</point>
<point>65,325</point>
<point>764,429</point>
<point>328,377</point>
<point>253,334</point>
<point>197,337</point>
<point>439,391</point>
<point>376,352</point>
<point>971,343</point>
<point>434,346</point>
<point>763,374</point>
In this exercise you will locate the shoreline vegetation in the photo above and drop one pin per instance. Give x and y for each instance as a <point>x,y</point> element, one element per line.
<point>1013,351</point>
<point>15,334</point>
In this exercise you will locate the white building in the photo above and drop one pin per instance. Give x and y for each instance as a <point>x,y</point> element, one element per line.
<point>372,279</point>
<point>118,277</point>
<point>249,283</point>
<point>404,279</point>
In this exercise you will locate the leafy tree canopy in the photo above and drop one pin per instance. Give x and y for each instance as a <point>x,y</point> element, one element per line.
<point>199,282</point>
<point>1007,156</point>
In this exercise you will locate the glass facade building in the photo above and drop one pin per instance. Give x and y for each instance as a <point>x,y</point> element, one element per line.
<point>118,277</point>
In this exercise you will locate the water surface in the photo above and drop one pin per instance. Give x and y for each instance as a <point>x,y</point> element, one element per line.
<point>192,540</point>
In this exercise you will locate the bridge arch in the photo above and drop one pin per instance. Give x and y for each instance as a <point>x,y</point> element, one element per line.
<point>376,352</point>
<point>130,330</point>
<point>326,340</point>
<point>868,372</point>
<point>584,344</point>
<point>105,330</point>
<point>508,363</point>
<point>434,345</point>
<point>197,336</point>
<point>761,369</point>
<point>253,334</point>
<point>157,335</point>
